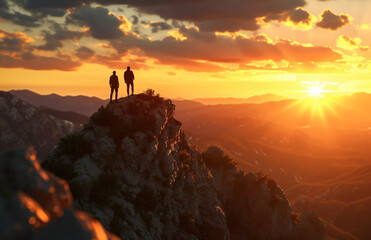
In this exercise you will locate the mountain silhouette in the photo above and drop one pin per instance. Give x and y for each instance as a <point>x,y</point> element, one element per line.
<point>253,99</point>
<point>79,104</point>
<point>132,168</point>
<point>23,125</point>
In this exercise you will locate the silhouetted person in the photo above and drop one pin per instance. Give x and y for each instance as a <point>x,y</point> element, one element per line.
<point>129,80</point>
<point>114,84</point>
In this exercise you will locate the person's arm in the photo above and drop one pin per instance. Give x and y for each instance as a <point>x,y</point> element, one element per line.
<point>110,82</point>
<point>118,83</point>
<point>133,75</point>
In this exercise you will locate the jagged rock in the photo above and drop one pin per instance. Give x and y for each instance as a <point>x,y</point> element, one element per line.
<point>153,185</point>
<point>23,125</point>
<point>35,204</point>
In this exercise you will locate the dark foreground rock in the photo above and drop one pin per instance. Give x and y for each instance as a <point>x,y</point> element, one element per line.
<point>35,204</point>
<point>132,168</point>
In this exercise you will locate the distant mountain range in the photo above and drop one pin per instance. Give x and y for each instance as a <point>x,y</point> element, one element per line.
<point>88,105</point>
<point>23,125</point>
<point>317,149</point>
<point>254,99</point>
<point>79,104</point>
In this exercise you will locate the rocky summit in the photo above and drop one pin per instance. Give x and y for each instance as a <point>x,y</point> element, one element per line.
<point>133,170</point>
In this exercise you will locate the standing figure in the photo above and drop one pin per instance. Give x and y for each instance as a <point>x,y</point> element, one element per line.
<point>114,84</point>
<point>129,80</point>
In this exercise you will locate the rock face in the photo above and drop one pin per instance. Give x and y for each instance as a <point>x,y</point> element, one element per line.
<point>22,125</point>
<point>132,168</point>
<point>35,204</point>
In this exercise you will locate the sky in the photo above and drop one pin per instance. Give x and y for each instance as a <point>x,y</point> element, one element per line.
<point>188,49</point>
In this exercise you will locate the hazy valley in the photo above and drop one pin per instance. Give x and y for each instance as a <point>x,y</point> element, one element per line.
<point>319,156</point>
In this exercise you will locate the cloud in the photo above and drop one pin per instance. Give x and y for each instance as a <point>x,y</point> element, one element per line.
<point>208,15</point>
<point>30,61</point>
<point>349,43</point>
<point>331,21</point>
<point>209,47</point>
<point>202,50</point>
<point>4,4</point>
<point>16,52</point>
<point>215,15</point>
<point>101,23</point>
<point>84,53</point>
<point>159,26</point>
<point>300,15</point>
<point>297,18</point>
<point>42,9</point>
<point>49,4</point>
<point>20,18</point>
<point>114,61</point>
<point>313,68</point>
<point>55,40</point>
<point>14,42</point>
<point>135,19</point>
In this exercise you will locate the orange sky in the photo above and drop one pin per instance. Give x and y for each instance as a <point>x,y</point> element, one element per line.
<point>189,50</point>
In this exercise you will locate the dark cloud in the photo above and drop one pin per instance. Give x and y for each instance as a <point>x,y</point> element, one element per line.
<point>16,52</point>
<point>3,4</point>
<point>14,42</point>
<point>203,51</point>
<point>231,25</point>
<point>299,16</point>
<point>221,15</point>
<point>295,16</point>
<point>42,8</point>
<point>159,26</point>
<point>215,15</point>
<point>135,19</point>
<point>50,12</point>
<point>114,61</point>
<point>30,61</point>
<point>331,21</point>
<point>55,40</point>
<point>49,4</point>
<point>208,15</point>
<point>101,23</point>
<point>84,53</point>
<point>21,19</point>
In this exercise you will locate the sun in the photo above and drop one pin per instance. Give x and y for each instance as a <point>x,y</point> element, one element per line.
<point>316,91</point>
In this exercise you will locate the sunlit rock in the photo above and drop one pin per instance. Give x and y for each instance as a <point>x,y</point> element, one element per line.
<point>35,204</point>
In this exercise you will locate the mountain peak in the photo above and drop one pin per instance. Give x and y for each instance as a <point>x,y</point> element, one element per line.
<point>132,168</point>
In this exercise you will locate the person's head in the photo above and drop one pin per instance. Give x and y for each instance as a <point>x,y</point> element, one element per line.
<point>128,68</point>
<point>114,72</point>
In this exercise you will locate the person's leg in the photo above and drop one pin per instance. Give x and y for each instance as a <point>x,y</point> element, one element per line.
<point>127,87</point>
<point>116,90</point>
<point>132,88</point>
<point>111,94</point>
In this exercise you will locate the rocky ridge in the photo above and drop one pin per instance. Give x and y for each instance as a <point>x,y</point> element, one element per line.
<point>132,169</point>
<point>22,125</point>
